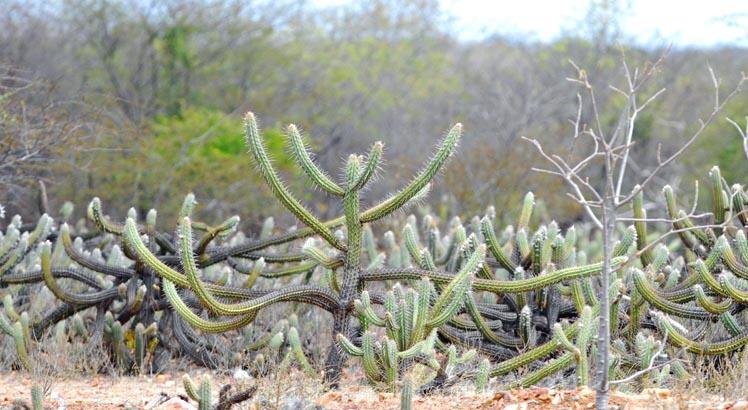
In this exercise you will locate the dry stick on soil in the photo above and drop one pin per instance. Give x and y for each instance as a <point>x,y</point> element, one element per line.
<point>602,200</point>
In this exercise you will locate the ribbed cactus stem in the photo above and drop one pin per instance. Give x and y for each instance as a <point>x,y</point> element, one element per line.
<point>204,394</point>
<point>528,203</point>
<point>21,345</point>
<point>10,310</point>
<point>37,397</point>
<point>295,342</point>
<point>301,154</point>
<point>190,388</point>
<point>257,148</point>
<point>406,395</point>
<point>420,183</point>
<point>481,378</point>
<point>140,346</point>
<point>718,204</point>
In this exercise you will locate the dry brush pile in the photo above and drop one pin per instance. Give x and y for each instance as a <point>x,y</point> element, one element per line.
<point>430,302</point>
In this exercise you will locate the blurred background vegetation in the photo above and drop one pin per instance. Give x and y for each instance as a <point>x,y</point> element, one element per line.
<point>140,102</point>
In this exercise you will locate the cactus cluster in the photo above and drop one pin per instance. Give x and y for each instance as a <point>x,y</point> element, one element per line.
<point>438,301</point>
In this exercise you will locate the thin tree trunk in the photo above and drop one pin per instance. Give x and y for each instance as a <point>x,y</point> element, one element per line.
<point>603,340</point>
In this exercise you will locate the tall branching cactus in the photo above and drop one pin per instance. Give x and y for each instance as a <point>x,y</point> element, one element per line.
<point>357,175</point>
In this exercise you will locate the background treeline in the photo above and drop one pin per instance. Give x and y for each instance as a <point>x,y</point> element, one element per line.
<point>140,102</point>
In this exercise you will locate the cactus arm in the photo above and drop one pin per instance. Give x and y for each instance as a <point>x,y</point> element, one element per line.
<point>732,291</point>
<point>450,295</point>
<point>89,263</point>
<point>320,257</point>
<point>198,322</point>
<point>257,148</point>
<point>588,291</point>
<point>291,270</point>
<point>523,245</point>
<point>301,154</point>
<point>441,315</point>
<point>421,181</point>
<point>204,402</point>
<point>495,337</point>
<point>135,243</point>
<point>681,222</point>
<point>17,254</point>
<point>708,279</point>
<point>349,347</point>
<point>363,308</point>
<point>651,296</point>
<point>710,306</point>
<point>372,163</point>
<point>551,278</point>
<point>139,346</point>
<point>715,348</point>
<point>423,295</point>
<point>21,344</point>
<point>96,215</point>
<point>552,367</point>
<point>560,337</point>
<point>718,203</point>
<point>10,310</point>
<point>411,245</point>
<point>293,338</point>
<point>528,203</point>
<point>190,388</point>
<point>731,260</point>
<point>43,226</point>
<point>71,273</point>
<point>390,360</point>
<point>739,201</point>
<point>629,237</point>
<point>640,225</point>
<point>5,325</point>
<point>587,330</point>
<point>495,286</point>
<point>577,295</point>
<point>132,239</point>
<point>550,346</point>
<point>37,397</point>
<point>406,395</point>
<point>427,261</point>
<point>73,299</point>
<point>369,357</point>
<point>225,228</point>
<point>742,245</point>
<point>494,247</point>
<point>9,242</point>
<point>731,324</point>
<point>241,308</point>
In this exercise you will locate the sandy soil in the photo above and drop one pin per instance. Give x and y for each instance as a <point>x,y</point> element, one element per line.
<point>166,392</point>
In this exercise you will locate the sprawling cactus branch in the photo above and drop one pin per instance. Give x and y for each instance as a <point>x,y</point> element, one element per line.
<point>446,297</point>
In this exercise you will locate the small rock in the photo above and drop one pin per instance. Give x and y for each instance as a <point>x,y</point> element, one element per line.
<point>557,398</point>
<point>241,374</point>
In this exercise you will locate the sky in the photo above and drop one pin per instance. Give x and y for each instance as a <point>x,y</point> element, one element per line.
<point>684,23</point>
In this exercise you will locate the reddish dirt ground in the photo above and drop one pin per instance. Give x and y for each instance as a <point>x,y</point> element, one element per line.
<point>143,392</point>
